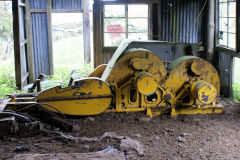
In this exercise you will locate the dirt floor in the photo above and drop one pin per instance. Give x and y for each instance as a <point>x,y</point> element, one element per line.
<point>187,137</point>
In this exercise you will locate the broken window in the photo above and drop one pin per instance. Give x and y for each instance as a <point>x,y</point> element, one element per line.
<point>125,21</point>
<point>227,23</point>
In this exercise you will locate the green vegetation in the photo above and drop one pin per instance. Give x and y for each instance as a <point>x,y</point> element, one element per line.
<point>236,91</point>
<point>236,80</point>
<point>7,78</point>
<point>7,75</point>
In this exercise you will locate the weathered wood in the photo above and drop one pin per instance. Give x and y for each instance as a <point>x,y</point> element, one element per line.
<point>238,26</point>
<point>3,104</point>
<point>8,125</point>
<point>16,36</point>
<point>70,81</point>
<point>21,103</point>
<point>150,27</point>
<point>228,51</point>
<point>38,85</point>
<point>30,58</point>
<point>97,32</point>
<point>72,156</point>
<point>159,19</point>
<point>49,24</point>
<point>86,32</point>
<point>22,95</point>
<point>210,31</point>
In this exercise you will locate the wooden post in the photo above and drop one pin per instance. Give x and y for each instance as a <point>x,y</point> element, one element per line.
<point>238,26</point>
<point>210,31</point>
<point>97,33</point>
<point>49,24</point>
<point>30,56</point>
<point>159,20</point>
<point>16,36</point>
<point>86,32</point>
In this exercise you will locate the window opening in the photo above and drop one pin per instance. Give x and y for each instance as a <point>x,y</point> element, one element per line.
<point>68,52</point>
<point>125,21</point>
<point>7,71</point>
<point>227,23</point>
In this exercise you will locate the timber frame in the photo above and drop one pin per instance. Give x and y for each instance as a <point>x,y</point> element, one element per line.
<point>98,27</point>
<point>30,75</point>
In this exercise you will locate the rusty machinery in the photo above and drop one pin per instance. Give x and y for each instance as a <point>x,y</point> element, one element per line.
<point>132,81</point>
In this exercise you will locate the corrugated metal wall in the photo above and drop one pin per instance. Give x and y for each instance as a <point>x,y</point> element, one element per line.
<point>38,4</point>
<point>40,26</point>
<point>67,4</point>
<point>225,73</point>
<point>179,21</point>
<point>40,43</point>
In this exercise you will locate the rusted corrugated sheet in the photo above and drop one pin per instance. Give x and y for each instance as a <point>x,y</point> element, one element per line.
<point>40,43</point>
<point>179,21</point>
<point>67,4</point>
<point>38,4</point>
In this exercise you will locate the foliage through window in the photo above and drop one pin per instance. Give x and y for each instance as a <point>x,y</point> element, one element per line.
<point>125,21</point>
<point>227,23</point>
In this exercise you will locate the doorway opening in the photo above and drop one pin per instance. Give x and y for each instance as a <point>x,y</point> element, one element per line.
<point>7,70</point>
<point>236,79</point>
<point>67,35</point>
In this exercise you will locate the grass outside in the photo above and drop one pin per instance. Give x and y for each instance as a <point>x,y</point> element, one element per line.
<point>7,76</point>
<point>236,80</point>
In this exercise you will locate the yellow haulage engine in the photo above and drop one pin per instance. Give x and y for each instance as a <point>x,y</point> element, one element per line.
<point>137,80</point>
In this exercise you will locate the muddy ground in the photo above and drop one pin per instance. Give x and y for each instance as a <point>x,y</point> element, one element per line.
<point>187,137</point>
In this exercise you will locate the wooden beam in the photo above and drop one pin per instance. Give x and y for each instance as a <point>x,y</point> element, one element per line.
<point>227,51</point>
<point>30,57</point>
<point>86,32</point>
<point>17,45</point>
<point>97,33</point>
<point>49,24</point>
<point>210,31</point>
<point>159,20</point>
<point>238,26</point>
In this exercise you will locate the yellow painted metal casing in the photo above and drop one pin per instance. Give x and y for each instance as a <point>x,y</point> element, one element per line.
<point>146,84</point>
<point>205,92</point>
<point>89,96</point>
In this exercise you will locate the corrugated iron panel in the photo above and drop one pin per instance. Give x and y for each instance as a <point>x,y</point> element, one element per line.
<point>40,43</point>
<point>38,4</point>
<point>22,38</point>
<point>179,21</point>
<point>67,4</point>
<point>225,73</point>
